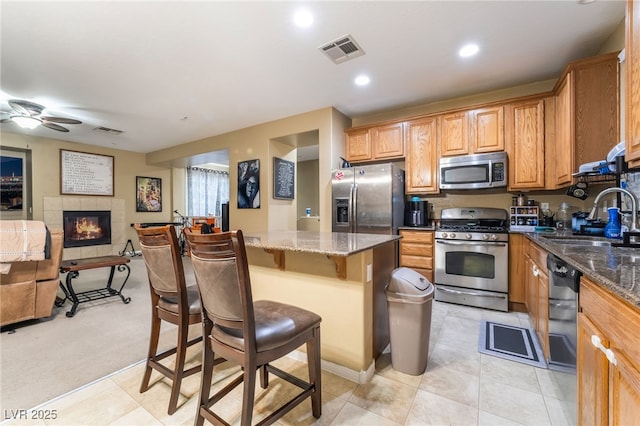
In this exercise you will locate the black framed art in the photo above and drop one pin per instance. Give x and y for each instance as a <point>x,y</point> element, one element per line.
<point>148,194</point>
<point>283,179</point>
<point>249,184</point>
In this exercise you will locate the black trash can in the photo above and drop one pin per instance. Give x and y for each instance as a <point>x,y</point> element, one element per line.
<point>409,300</point>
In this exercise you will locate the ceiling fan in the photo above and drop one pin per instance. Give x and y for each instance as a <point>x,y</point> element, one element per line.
<point>28,115</point>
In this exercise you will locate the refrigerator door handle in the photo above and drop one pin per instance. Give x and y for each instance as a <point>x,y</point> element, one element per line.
<point>352,207</point>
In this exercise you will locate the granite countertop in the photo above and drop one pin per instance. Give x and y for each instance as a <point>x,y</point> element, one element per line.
<point>327,243</point>
<point>615,268</point>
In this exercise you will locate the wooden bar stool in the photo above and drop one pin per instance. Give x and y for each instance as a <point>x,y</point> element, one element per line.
<point>247,333</point>
<point>172,301</point>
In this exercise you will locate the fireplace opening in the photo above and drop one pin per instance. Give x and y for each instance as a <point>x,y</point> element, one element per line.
<point>86,228</point>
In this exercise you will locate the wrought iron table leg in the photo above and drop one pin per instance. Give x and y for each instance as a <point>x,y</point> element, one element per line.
<point>121,268</point>
<point>72,294</point>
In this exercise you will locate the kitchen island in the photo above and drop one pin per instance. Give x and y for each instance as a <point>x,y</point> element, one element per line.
<point>339,276</point>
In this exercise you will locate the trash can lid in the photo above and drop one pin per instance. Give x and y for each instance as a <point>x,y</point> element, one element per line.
<point>407,281</point>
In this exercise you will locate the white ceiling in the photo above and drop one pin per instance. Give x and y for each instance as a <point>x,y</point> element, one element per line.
<point>141,67</point>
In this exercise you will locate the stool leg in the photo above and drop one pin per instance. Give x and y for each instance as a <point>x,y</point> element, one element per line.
<point>153,347</point>
<point>248,394</point>
<point>178,372</point>
<point>315,372</point>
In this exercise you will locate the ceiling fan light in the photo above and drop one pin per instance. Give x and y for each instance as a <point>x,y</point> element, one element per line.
<point>26,122</point>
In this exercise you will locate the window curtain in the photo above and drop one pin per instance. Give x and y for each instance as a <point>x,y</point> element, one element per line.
<point>207,190</point>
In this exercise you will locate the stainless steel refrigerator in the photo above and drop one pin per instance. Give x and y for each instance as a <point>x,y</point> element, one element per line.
<point>368,199</point>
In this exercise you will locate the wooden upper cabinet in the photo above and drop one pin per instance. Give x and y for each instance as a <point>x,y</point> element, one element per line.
<point>632,101</point>
<point>454,134</point>
<point>525,145</point>
<point>375,143</point>
<point>562,164</point>
<point>587,114</point>
<point>388,141</point>
<point>472,131</point>
<point>421,162</point>
<point>487,126</point>
<point>358,145</point>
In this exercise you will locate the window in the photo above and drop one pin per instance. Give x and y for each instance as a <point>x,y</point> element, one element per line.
<point>207,190</point>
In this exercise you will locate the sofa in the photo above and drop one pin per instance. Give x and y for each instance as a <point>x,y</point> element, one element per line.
<point>29,290</point>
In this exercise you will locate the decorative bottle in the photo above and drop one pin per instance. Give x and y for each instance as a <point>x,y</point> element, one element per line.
<point>613,227</point>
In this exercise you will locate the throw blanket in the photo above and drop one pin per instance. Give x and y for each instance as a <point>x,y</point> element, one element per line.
<point>21,240</point>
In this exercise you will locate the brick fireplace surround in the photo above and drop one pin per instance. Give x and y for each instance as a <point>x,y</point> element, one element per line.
<point>54,206</point>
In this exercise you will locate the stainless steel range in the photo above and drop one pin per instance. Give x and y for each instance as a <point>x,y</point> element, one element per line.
<point>472,257</point>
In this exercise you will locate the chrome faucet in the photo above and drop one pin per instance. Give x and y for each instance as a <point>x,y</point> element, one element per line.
<point>634,206</point>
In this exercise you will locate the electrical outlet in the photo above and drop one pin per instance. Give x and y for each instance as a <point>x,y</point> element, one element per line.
<point>544,206</point>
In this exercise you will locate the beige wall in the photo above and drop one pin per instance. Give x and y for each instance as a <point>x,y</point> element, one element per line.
<point>307,189</point>
<point>127,165</point>
<point>258,142</point>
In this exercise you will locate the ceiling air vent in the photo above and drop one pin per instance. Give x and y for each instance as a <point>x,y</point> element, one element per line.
<point>108,130</point>
<point>342,49</point>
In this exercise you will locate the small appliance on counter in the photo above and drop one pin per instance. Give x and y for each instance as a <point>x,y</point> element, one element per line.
<point>580,225</point>
<point>416,212</point>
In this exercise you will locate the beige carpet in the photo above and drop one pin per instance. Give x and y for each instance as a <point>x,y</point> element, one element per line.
<point>48,358</point>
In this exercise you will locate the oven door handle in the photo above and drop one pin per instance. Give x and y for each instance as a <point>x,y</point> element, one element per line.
<point>471,243</point>
<point>469,293</point>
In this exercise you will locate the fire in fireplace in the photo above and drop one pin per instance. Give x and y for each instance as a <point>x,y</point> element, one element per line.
<point>86,228</point>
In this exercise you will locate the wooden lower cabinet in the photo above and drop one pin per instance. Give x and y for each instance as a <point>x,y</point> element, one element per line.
<point>608,363</point>
<point>537,293</point>
<point>517,289</point>
<point>416,251</point>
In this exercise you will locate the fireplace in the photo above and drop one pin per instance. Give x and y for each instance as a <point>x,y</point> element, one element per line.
<point>86,228</point>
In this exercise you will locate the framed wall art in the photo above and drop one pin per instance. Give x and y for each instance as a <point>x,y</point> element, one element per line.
<point>148,194</point>
<point>83,173</point>
<point>249,184</point>
<point>283,179</point>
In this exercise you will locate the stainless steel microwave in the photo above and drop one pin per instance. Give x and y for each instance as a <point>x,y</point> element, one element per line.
<point>474,171</point>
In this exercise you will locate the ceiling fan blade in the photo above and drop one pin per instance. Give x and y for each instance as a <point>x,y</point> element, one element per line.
<point>25,107</point>
<point>61,120</point>
<point>54,126</point>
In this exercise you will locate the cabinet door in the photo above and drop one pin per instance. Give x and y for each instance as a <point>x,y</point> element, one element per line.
<point>517,291</point>
<point>421,162</point>
<point>358,145</point>
<point>632,101</point>
<point>531,286</point>
<point>592,375</point>
<point>488,129</point>
<point>624,392</point>
<point>564,164</point>
<point>542,320</point>
<point>388,141</point>
<point>525,147</point>
<point>455,134</point>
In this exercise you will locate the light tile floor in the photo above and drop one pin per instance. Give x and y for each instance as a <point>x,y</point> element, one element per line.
<point>460,387</point>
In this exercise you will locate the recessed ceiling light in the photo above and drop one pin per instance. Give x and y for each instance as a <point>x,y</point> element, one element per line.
<point>468,50</point>
<point>303,18</point>
<point>362,80</point>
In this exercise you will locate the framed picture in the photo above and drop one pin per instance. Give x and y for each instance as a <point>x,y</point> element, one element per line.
<point>83,173</point>
<point>283,179</point>
<point>148,194</point>
<point>249,184</point>
<point>12,175</point>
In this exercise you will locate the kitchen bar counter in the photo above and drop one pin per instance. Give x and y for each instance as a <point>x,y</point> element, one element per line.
<point>615,268</point>
<point>339,276</point>
<point>327,243</point>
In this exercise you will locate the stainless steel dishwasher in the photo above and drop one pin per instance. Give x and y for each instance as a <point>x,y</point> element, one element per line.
<point>564,285</point>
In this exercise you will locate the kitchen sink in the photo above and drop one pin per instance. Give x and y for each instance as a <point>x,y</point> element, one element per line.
<point>578,241</point>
